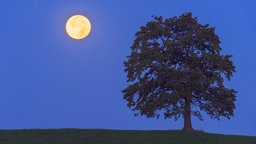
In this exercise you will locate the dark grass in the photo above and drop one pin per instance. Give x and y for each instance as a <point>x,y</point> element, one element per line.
<point>98,136</point>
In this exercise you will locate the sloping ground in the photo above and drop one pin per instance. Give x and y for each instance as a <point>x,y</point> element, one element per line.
<point>94,136</point>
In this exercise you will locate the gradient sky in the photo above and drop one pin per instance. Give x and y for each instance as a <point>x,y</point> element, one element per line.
<point>48,80</point>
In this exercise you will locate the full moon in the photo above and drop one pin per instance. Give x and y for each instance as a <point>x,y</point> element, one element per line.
<point>78,27</point>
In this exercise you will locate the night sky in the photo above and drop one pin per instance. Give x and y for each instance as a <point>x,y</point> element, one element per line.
<point>48,80</point>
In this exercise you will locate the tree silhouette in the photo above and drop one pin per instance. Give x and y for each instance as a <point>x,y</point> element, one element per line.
<point>175,69</point>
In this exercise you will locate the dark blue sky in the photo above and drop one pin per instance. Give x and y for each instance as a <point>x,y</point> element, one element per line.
<point>48,80</point>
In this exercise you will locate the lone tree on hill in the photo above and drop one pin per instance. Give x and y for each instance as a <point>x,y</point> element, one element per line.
<point>176,69</point>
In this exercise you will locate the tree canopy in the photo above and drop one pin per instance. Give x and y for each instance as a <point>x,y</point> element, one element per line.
<point>175,70</point>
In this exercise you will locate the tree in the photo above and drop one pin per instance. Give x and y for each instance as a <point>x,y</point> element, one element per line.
<point>176,69</point>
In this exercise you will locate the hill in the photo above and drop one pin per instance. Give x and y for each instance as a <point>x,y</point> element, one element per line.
<point>98,136</point>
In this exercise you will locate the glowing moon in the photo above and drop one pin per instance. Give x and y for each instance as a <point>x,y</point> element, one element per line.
<point>78,27</point>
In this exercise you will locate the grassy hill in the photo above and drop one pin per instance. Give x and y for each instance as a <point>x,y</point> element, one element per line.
<point>94,136</point>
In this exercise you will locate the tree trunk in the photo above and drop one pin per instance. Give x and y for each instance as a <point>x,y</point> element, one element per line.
<point>187,116</point>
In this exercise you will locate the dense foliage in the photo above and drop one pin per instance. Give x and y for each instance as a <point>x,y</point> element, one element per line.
<point>176,69</point>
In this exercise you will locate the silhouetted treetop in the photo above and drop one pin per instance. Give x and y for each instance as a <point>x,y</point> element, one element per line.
<point>176,69</point>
